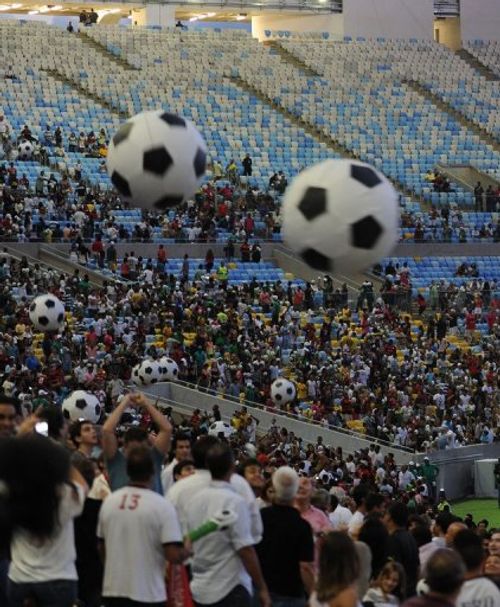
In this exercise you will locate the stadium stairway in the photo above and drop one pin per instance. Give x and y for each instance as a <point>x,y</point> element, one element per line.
<point>484,70</point>
<point>458,116</point>
<point>84,92</point>
<point>116,58</point>
<point>468,176</point>
<point>290,58</point>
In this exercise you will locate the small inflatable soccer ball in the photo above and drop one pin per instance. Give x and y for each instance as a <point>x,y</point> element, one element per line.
<point>341,216</point>
<point>220,427</point>
<point>145,373</point>
<point>282,391</point>
<point>25,150</point>
<point>157,160</point>
<point>47,313</point>
<point>82,405</point>
<point>168,369</point>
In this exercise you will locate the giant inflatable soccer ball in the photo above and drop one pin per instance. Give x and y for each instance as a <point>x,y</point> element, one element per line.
<point>25,150</point>
<point>147,372</point>
<point>282,391</point>
<point>168,368</point>
<point>220,427</point>
<point>341,216</point>
<point>156,160</point>
<point>82,405</point>
<point>47,313</point>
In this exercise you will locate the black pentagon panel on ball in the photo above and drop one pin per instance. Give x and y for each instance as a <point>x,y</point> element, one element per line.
<point>157,161</point>
<point>32,307</point>
<point>289,390</point>
<point>50,303</point>
<point>278,397</point>
<point>43,320</point>
<point>317,260</point>
<point>98,409</point>
<point>365,232</point>
<point>60,317</point>
<point>200,163</point>
<point>168,202</point>
<point>122,133</point>
<point>365,175</point>
<point>279,384</point>
<point>121,184</point>
<point>80,403</point>
<point>313,203</point>
<point>172,119</point>
<point>174,372</point>
<point>66,413</point>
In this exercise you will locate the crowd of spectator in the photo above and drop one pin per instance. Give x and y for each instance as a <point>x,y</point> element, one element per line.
<point>119,505</point>
<point>376,369</point>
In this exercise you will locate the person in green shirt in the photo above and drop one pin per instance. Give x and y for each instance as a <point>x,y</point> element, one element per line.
<point>222,274</point>
<point>430,473</point>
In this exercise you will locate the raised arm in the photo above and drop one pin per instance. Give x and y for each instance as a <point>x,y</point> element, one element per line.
<point>164,436</point>
<point>109,440</point>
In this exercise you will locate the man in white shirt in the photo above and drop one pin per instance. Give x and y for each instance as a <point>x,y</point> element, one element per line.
<point>359,495</point>
<point>477,590</point>
<point>182,450</point>
<point>182,494</point>
<point>340,517</point>
<point>225,562</point>
<point>138,531</point>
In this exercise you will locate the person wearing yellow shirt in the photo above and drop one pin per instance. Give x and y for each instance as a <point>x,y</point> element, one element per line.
<point>222,273</point>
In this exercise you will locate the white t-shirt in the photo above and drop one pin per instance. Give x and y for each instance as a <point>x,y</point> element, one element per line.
<point>217,568</point>
<point>340,517</point>
<point>167,475</point>
<point>54,559</point>
<point>356,522</point>
<point>135,523</point>
<point>478,592</point>
<point>182,493</point>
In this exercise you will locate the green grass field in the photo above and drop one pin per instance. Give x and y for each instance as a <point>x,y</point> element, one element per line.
<point>483,508</point>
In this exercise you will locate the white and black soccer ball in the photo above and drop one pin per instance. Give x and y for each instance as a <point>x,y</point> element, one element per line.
<point>341,216</point>
<point>283,391</point>
<point>82,405</point>
<point>47,313</point>
<point>220,427</point>
<point>146,372</point>
<point>25,150</point>
<point>157,160</point>
<point>169,369</point>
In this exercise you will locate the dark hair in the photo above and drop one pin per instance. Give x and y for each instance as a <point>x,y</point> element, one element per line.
<point>135,435</point>
<point>179,467</point>
<point>421,534</point>
<point>220,460</point>
<point>338,565</point>
<point>359,494</point>
<point>399,513</point>
<point>200,449</point>
<point>75,430</point>
<point>470,547</point>
<point>85,467</point>
<point>444,520</point>
<point>251,461</point>
<point>54,417</point>
<point>375,535</point>
<point>445,572</point>
<point>373,500</point>
<point>334,501</point>
<point>140,466</point>
<point>33,469</point>
<point>10,400</point>
<point>179,437</point>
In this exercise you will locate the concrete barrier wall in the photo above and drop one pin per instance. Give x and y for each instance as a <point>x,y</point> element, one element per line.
<point>185,400</point>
